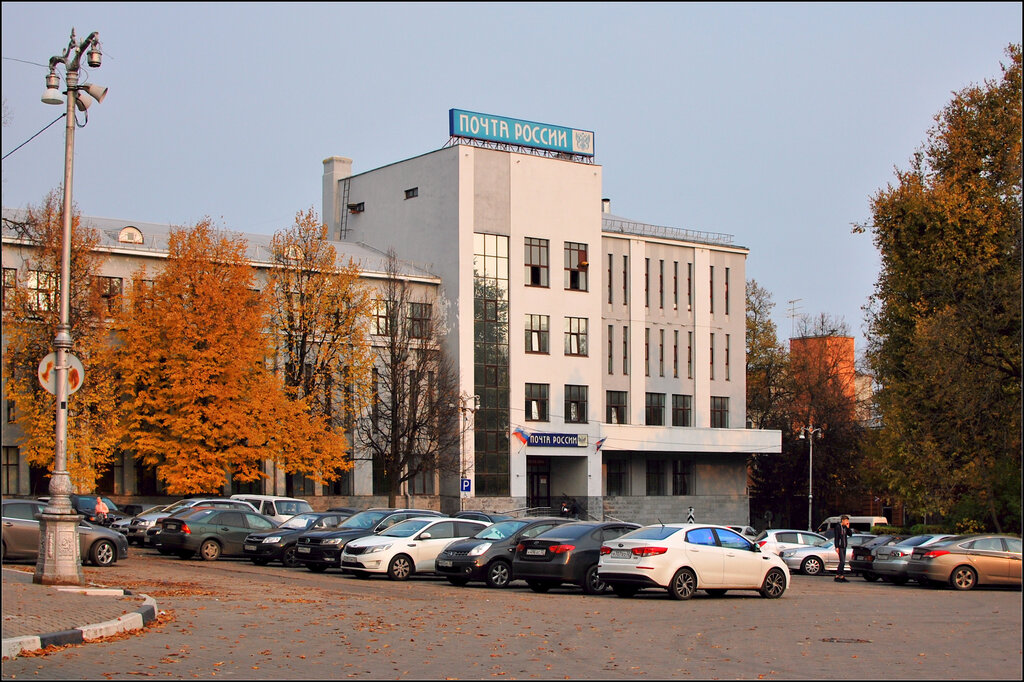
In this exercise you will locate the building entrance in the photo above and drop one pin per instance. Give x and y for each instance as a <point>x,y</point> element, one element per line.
<point>538,482</point>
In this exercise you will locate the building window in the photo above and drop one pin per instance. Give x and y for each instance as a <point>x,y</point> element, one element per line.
<point>661,352</point>
<point>611,264</point>
<point>689,355</point>
<point>611,348</point>
<point>419,320</point>
<point>491,364</point>
<point>682,410</point>
<point>727,357</point>
<point>655,477</point>
<point>711,289</point>
<point>536,402</point>
<point>110,289</point>
<point>647,282</point>
<point>675,285</point>
<point>12,413</point>
<point>575,404</point>
<point>144,297</point>
<point>675,353</point>
<point>130,235</point>
<point>682,477</point>
<point>537,333</point>
<point>719,412</point>
<point>42,290</point>
<point>422,483</point>
<point>10,482</point>
<point>689,286</point>
<point>576,266</point>
<point>575,336</point>
<point>647,351</point>
<point>616,407</point>
<point>10,284</point>
<point>617,478</point>
<point>412,192</point>
<point>711,356</point>
<point>380,317</point>
<point>654,409</point>
<point>727,291</point>
<point>536,260</point>
<point>625,280</point>
<point>661,284</point>
<point>625,349</point>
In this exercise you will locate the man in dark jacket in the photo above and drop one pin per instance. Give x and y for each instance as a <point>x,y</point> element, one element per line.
<point>842,533</point>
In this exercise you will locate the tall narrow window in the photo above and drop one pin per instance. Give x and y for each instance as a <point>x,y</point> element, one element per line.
<point>711,356</point>
<point>110,290</point>
<point>625,280</point>
<point>661,352</point>
<point>537,402</point>
<point>711,289</point>
<point>42,289</point>
<point>380,317</point>
<point>419,320</point>
<point>616,407</point>
<point>654,410</point>
<point>719,412</point>
<point>576,336</point>
<point>10,283</point>
<point>675,353</point>
<point>611,260</point>
<point>536,262</point>
<point>689,355</point>
<point>655,477</point>
<point>689,286</point>
<point>727,291</point>
<point>675,285</point>
<point>682,477</point>
<point>647,351</point>
<point>661,284</point>
<point>537,333</point>
<point>727,357</point>
<point>576,266</point>
<point>575,404</point>
<point>611,348</point>
<point>10,470</point>
<point>647,282</point>
<point>625,349</point>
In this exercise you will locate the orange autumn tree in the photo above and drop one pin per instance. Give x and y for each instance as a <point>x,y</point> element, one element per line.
<point>31,316</point>
<point>200,402</point>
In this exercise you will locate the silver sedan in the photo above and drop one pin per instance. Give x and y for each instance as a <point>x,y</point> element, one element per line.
<point>891,561</point>
<point>821,558</point>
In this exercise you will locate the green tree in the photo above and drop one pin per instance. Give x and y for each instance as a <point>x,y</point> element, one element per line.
<point>945,317</point>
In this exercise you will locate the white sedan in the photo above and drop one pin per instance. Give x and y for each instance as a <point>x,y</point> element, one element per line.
<point>684,558</point>
<point>406,548</point>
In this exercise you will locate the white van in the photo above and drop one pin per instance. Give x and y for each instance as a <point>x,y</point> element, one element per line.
<point>862,524</point>
<point>278,508</point>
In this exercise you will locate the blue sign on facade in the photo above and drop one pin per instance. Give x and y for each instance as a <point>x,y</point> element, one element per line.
<point>523,133</point>
<point>558,440</point>
<point>466,485</point>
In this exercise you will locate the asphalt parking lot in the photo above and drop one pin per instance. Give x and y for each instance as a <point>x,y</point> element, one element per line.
<point>232,619</point>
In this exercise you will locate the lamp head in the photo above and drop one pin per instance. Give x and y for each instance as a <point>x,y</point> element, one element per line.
<point>52,94</point>
<point>95,56</point>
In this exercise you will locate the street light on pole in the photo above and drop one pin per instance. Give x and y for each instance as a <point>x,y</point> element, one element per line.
<point>810,432</point>
<point>59,561</point>
<point>468,405</point>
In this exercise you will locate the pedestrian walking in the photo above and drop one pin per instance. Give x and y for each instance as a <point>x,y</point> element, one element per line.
<point>842,533</point>
<point>101,510</point>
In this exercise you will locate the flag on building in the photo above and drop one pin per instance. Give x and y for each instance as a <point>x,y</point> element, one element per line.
<point>598,444</point>
<point>521,435</point>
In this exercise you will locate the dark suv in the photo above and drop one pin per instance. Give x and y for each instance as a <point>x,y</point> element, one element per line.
<point>321,549</point>
<point>86,506</point>
<point>488,555</point>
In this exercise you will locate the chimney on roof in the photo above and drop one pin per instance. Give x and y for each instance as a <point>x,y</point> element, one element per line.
<point>336,169</point>
<point>606,205</point>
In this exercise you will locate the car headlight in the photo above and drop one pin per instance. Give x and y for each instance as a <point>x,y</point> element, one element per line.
<point>378,548</point>
<point>480,549</point>
<point>143,522</point>
<point>333,541</point>
<point>272,539</point>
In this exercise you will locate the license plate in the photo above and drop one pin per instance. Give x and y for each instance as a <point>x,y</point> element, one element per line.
<point>620,553</point>
<point>536,552</point>
<point>250,548</point>
<point>444,562</point>
<point>302,550</point>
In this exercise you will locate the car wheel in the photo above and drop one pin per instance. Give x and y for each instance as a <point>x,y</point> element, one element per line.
<point>458,580</point>
<point>260,561</point>
<point>774,584</point>
<point>592,583</point>
<point>499,574</point>
<point>539,586</point>
<point>290,557</point>
<point>316,568</point>
<point>103,553</point>
<point>870,577</point>
<point>624,590</point>
<point>400,567</point>
<point>716,592</point>
<point>185,554</point>
<point>209,550</point>
<point>812,566</point>
<point>683,584</point>
<point>963,578</point>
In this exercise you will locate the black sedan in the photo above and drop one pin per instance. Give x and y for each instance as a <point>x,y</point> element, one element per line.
<point>279,544</point>
<point>566,554</point>
<point>487,556</point>
<point>210,531</point>
<point>864,555</point>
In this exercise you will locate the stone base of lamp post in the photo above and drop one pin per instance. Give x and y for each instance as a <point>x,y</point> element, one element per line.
<point>60,561</point>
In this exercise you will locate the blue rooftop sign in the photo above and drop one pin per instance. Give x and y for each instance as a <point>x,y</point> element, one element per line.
<point>523,133</point>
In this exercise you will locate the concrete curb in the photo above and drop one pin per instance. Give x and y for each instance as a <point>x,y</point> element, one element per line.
<point>135,620</point>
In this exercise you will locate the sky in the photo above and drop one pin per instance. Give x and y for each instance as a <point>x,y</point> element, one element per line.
<point>772,122</point>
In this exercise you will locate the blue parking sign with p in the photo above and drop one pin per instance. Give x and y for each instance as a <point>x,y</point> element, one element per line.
<point>466,485</point>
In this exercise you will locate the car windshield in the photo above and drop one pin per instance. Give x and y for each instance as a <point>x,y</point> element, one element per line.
<point>292,507</point>
<point>917,540</point>
<point>199,514</point>
<point>300,521</point>
<point>406,528</point>
<point>650,533</point>
<point>178,506</point>
<point>568,531</point>
<point>363,520</point>
<point>500,531</point>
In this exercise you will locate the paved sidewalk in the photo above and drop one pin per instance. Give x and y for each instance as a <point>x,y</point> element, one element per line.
<point>36,616</point>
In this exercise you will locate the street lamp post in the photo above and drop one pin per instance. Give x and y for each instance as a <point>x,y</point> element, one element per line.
<point>810,432</point>
<point>468,405</point>
<point>59,561</point>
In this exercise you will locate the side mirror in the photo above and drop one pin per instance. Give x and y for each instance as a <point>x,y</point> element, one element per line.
<point>755,548</point>
<point>424,536</point>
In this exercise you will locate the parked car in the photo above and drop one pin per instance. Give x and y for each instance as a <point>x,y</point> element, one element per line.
<point>321,549</point>
<point>489,517</point>
<point>745,531</point>
<point>775,540</point>
<point>487,556</point>
<point>966,561</point>
<point>683,558</point>
<point>568,553</point>
<point>279,544</point>
<point>145,528</point>
<point>864,524</point>
<point>278,508</point>
<point>862,558</point>
<point>891,560</point>
<point>86,506</point>
<point>818,559</point>
<point>406,548</point>
<point>98,545</point>
<point>212,532</point>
